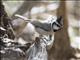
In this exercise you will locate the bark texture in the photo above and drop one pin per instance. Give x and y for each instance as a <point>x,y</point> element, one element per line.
<point>61,49</point>
<point>5,21</point>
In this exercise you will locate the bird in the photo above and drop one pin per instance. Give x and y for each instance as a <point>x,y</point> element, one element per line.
<point>47,27</point>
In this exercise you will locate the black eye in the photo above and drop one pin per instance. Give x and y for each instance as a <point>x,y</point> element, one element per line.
<point>60,20</point>
<point>55,24</point>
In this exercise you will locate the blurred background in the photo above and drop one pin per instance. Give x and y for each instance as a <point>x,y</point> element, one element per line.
<point>67,39</point>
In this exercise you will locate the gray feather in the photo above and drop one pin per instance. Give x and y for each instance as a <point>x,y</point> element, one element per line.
<point>44,26</point>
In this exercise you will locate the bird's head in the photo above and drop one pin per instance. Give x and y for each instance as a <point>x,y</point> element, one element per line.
<point>57,23</point>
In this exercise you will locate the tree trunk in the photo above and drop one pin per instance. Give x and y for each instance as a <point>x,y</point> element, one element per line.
<point>5,21</point>
<point>61,49</point>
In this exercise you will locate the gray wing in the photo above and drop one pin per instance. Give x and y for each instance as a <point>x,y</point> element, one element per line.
<point>44,26</point>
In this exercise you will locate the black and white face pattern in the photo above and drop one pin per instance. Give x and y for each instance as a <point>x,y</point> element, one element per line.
<point>57,24</point>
